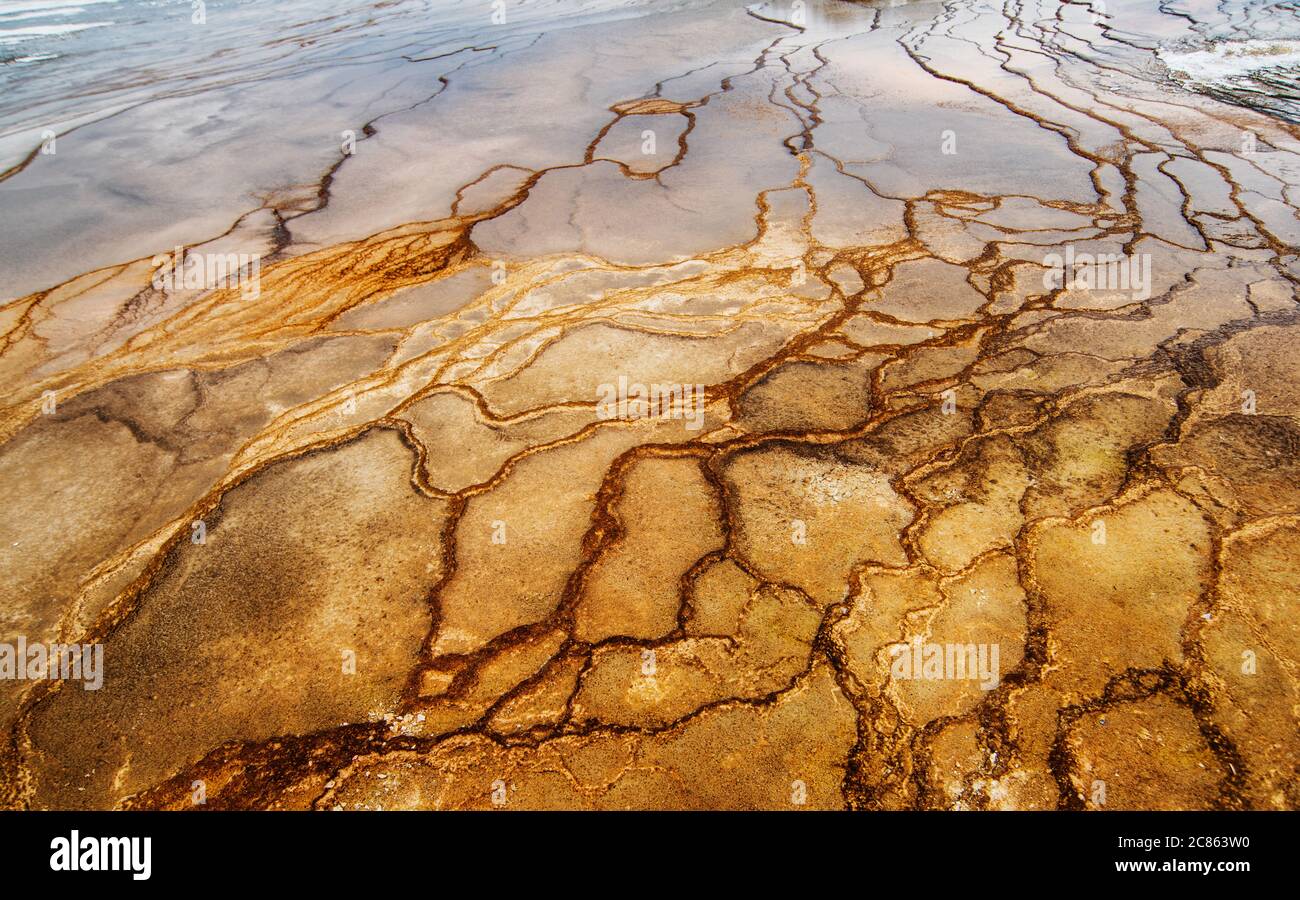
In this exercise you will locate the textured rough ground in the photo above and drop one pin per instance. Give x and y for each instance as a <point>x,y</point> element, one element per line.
<point>396,452</point>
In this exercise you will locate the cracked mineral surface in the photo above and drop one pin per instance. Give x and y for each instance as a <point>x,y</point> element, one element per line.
<point>586,404</point>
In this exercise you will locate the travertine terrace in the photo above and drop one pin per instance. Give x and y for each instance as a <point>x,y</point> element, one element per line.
<point>368,536</point>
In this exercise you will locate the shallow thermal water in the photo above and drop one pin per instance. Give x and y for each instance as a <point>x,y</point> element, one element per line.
<point>651,404</point>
